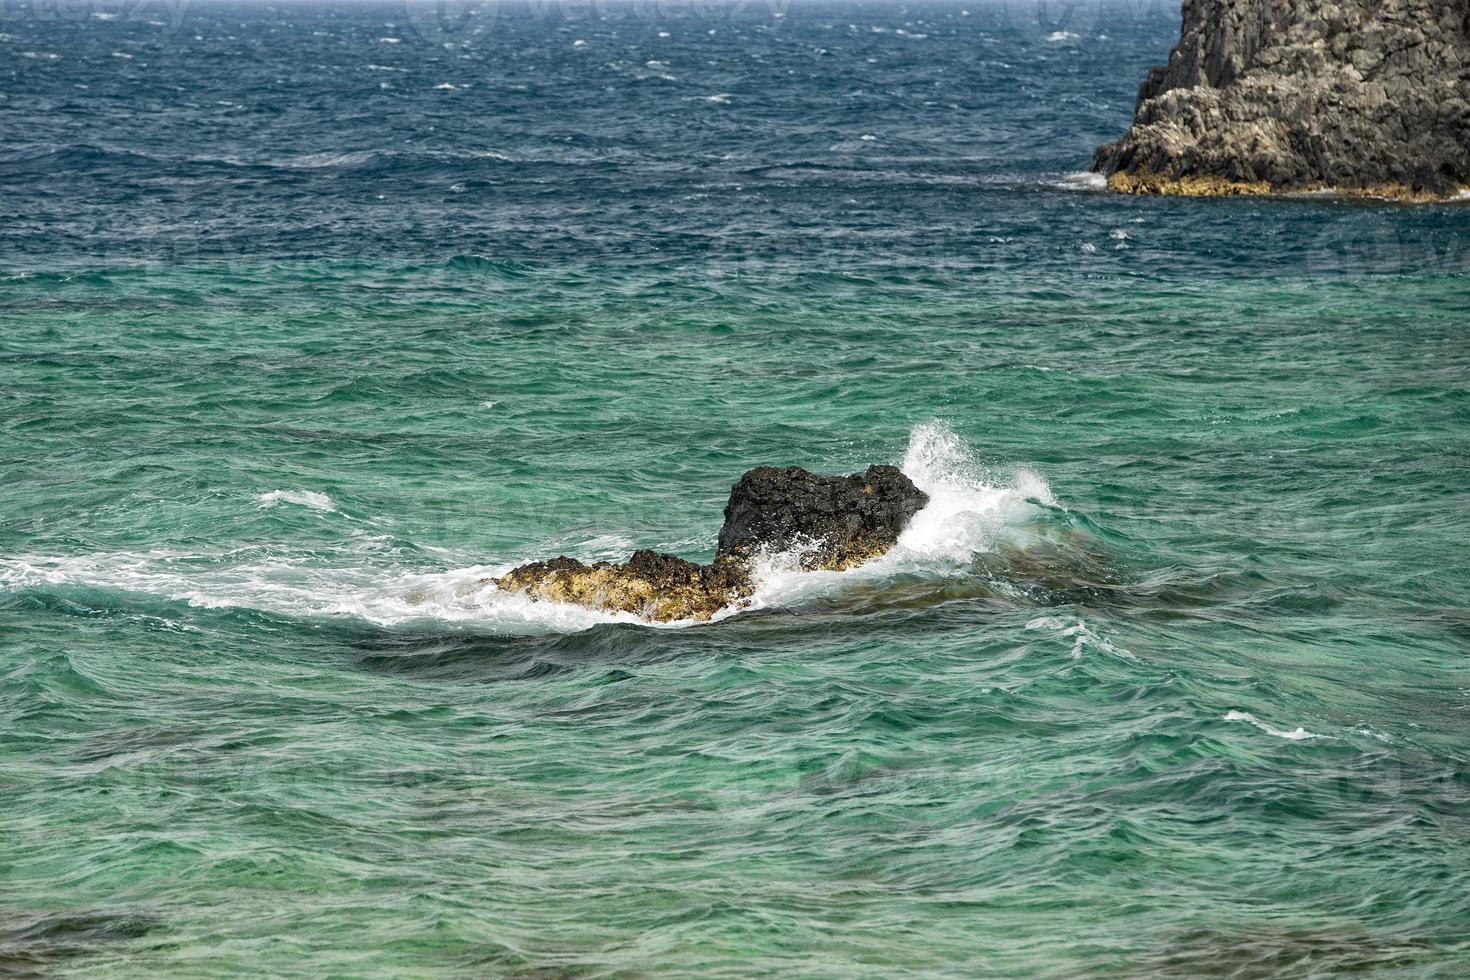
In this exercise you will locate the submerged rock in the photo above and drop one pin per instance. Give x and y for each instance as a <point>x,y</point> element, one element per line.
<point>824,522</point>
<point>1364,97</point>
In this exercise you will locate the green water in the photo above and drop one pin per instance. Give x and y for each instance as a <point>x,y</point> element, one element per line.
<point>259,716</point>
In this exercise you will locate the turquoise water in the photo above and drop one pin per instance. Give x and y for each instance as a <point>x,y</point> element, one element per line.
<point>1170,678</point>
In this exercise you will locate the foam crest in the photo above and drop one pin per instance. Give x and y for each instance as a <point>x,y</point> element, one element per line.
<point>1082,181</point>
<point>302,498</point>
<point>967,513</point>
<point>1300,734</point>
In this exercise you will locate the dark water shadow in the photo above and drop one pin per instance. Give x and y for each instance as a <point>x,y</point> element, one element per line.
<point>37,944</point>
<point>462,656</point>
<point>1277,951</point>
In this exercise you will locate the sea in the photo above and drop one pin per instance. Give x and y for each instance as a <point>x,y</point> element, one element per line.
<point>315,316</point>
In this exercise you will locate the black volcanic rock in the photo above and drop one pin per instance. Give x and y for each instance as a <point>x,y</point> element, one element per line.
<point>1261,96</point>
<point>834,521</point>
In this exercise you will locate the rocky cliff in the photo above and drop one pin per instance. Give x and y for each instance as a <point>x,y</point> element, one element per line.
<point>1270,96</point>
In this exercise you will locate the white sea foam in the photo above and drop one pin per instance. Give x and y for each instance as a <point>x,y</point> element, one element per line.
<point>1081,181</point>
<point>303,498</point>
<point>969,511</point>
<point>301,588</point>
<point>1296,736</point>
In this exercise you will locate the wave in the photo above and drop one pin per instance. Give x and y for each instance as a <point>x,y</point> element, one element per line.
<point>969,513</point>
<point>1298,735</point>
<point>303,498</point>
<point>1080,181</point>
<point>48,159</point>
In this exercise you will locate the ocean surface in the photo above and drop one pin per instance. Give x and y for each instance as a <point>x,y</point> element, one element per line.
<point>312,317</point>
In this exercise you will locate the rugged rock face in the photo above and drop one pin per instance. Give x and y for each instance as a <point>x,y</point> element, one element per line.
<point>1266,96</point>
<point>831,522</point>
<point>836,521</point>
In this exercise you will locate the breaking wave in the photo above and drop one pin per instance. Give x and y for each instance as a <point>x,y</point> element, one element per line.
<point>970,512</point>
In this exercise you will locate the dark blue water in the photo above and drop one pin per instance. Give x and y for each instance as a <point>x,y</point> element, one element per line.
<point>835,133</point>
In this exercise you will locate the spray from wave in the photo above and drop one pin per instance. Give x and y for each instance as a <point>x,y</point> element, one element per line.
<point>968,514</point>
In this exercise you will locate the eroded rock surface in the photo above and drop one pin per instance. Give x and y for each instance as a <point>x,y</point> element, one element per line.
<point>1271,96</point>
<point>825,522</point>
<point>835,522</point>
<point>649,585</point>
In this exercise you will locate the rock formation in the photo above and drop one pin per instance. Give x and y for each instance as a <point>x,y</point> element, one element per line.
<point>1268,96</point>
<point>824,522</point>
<point>650,585</point>
<point>835,521</point>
